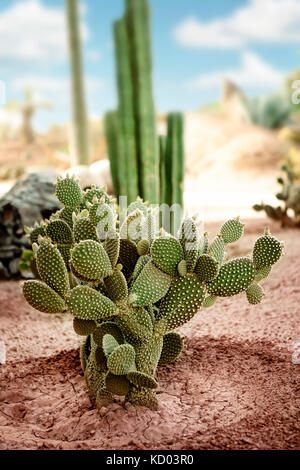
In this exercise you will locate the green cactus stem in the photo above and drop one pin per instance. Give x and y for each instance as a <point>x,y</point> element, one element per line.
<point>80,124</point>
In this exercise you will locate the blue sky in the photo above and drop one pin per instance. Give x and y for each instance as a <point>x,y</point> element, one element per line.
<point>195,44</point>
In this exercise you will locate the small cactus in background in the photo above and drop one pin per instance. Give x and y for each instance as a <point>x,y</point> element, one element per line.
<point>128,286</point>
<point>287,214</point>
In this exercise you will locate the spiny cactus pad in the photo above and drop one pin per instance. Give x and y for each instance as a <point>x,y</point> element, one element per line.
<point>232,230</point>
<point>166,253</point>
<point>207,268</point>
<point>255,294</point>
<point>127,295</point>
<point>234,277</point>
<point>90,260</point>
<point>42,297</point>
<point>88,304</point>
<point>267,251</point>
<point>68,192</point>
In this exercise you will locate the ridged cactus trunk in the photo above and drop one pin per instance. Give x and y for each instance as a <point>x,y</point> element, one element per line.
<point>138,23</point>
<point>115,147</point>
<point>80,138</point>
<point>129,286</point>
<point>174,166</point>
<point>126,111</point>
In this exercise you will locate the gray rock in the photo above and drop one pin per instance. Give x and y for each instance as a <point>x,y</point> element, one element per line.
<point>28,201</point>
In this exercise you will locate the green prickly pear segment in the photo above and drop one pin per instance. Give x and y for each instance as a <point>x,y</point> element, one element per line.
<point>143,247</point>
<point>116,286</point>
<point>103,217</point>
<point>68,192</point>
<point>255,294</point>
<point>267,251</point>
<point>128,255</point>
<point>84,230</point>
<point>83,327</point>
<point>189,239</point>
<point>117,384</point>
<point>89,195</point>
<point>203,245</point>
<point>109,344</point>
<point>35,232</point>
<point>121,360</point>
<point>262,273</point>
<point>107,328</point>
<point>207,268</point>
<point>182,268</point>
<point>88,304</point>
<point>51,268</point>
<point>59,232</point>
<point>66,214</point>
<point>142,261</point>
<point>172,347</point>
<point>217,249</point>
<point>232,230</point>
<point>141,379</point>
<point>42,297</point>
<point>65,251</point>
<point>132,226</point>
<point>90,260</point>
<point>209,301</point>
<point>112,247</point>
<point>234,277</point>
<point>183,300</point>
<point>166,253</point>
<point>139,396</point>
<point>136,324</point>
<point>151,285</point>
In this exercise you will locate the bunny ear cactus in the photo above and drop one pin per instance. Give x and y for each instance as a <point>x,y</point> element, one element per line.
<point>128,285</point>
<point>288,213</point>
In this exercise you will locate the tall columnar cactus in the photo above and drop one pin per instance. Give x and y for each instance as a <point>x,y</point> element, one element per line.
<point>288,214</point>
<point>138,24</point>
<point>126,111</point>
<point>80,139</point>
<point>146,173</point>
<point>129,287</point>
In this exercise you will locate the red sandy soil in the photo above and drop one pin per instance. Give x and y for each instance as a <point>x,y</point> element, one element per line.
<point>234,387</point>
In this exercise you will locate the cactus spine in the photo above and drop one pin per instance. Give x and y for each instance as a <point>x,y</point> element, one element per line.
<point>80,124</point>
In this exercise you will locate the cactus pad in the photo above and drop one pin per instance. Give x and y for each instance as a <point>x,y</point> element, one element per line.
<point>90,260</point>
<point>235,276</point>
<point>68,192</point>
<point>267,250</point>
<point>207,268</point>
<point>150,286</point>
<point>88,304</point>
<point>255,294</point>
<point>166,253</point>
<point>232,230</point>
<point>121,360</point>
<point>42,297</point>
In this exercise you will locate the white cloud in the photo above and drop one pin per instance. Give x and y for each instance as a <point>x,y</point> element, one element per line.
<point>253,72</point>
<point>32,31</point>
<point>267,21</point>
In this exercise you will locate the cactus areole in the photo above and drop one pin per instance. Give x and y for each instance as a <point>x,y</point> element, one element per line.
<point>128,286</point>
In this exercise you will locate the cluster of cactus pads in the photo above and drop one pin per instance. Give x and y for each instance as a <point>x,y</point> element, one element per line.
<point>288,214</point>
<point>129,285</point>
